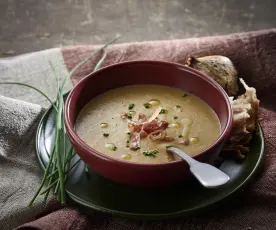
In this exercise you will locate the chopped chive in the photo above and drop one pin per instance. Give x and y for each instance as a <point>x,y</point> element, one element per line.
<point>127,146</point>
<point>180,136</point>
<point>129,116</point>
<point>151,153</point>
<point>163,111</point>
<point>128,141</point>
<point>105,134</point>
<point>178,106</point>
<point>128,133</point>
<point>168,146</point>
<point>136,148</point>
<point>175,117</point>
<point>114,148</point>
<point>131,106</point>
<point>147,105</point>
<point>185,95</point>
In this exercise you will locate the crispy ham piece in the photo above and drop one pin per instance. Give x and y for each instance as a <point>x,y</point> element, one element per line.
<point>123,116</point>
<point>144,127</point>
<point>157,135</point>
<point>155,114</point>
<point>142,117</point>
<point>134,141</point>
<point>245,115</point>
<point>154,125</point>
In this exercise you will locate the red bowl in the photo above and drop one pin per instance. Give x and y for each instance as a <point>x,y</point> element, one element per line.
<point>146,72</point>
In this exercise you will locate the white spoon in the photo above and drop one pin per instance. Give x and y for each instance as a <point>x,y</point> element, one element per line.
<point>208,175</point>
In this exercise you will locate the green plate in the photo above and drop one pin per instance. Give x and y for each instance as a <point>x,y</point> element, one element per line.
<point>93,191</point>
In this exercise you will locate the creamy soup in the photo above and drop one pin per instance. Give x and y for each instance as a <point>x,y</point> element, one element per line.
<point>137,123</point>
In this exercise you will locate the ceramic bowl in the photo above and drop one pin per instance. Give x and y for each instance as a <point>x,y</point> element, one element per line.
<point>146,72</point>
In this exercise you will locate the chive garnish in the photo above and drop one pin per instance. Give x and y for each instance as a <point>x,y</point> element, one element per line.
<point>168,146</point>
<point>185,95</point>
<point>147,105</point>
<point>105,134</point>
<point>178,106</point>
<point>129,116</point>
<point>151,153</point>
<point>175,117</point>
<point>114,148</point>
<point>128,133</point>
<point>131,106</point>
<point>163,111</point>
<point>128,141</point>
<point>136,148</point>
<point>180,136</point>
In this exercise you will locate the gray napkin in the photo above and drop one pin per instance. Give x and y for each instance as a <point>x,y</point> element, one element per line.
<point>20,173</point>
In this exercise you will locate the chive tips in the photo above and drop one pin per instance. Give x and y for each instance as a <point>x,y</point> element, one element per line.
<point>147,105</point>
<point>131,106</point>
<point>163,111</point>
<point>150,153</point>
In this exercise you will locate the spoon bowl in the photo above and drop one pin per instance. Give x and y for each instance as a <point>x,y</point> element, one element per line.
<point>208,175</point>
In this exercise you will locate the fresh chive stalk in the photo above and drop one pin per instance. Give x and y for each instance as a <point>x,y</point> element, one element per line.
<point>87,59</point>
<point>58,167</point>
<point>57,180</point>
<point>58,152</point>
<point>50,181</point>
<point>99,64</point>
<point>32,87</point>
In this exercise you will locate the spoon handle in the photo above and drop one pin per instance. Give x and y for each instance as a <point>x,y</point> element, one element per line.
<point>183,155</point>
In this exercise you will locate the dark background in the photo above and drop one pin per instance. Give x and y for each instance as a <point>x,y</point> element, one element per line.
<point>32,25</point>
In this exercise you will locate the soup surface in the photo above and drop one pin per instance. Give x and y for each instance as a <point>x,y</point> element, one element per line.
<point>136,123</point>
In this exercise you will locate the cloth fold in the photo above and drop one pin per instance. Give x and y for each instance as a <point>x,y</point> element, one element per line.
<point>254,55</point>
<point>19,170</point>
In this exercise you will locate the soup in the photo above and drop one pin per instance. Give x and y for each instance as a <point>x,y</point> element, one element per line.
<point>138,123</point>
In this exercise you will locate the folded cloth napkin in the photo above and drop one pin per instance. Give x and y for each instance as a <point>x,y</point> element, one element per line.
<point>254,55</point>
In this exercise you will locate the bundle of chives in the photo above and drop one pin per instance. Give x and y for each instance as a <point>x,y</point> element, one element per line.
<point>59,165</point>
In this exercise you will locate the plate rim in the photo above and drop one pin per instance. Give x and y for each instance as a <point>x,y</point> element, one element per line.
<point>154,216</point>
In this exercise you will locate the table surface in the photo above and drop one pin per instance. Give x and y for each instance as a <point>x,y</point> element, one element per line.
<point>29,25</point>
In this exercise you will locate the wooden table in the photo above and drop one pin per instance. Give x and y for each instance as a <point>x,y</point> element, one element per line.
<point>30,25</point>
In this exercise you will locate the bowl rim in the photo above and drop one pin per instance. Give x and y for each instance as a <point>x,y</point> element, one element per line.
<point>71,130</point>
